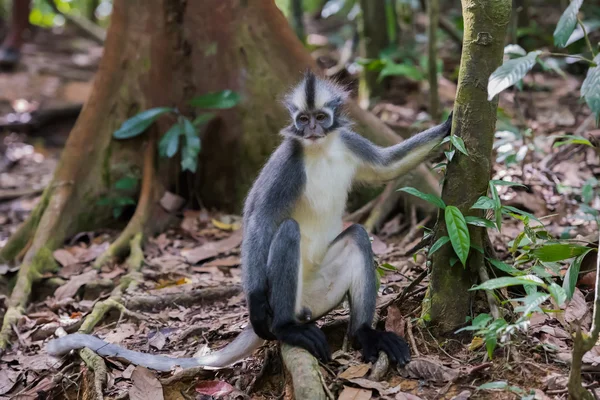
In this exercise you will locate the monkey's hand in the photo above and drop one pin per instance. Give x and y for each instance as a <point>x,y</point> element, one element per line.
<point>448,123</point>
<point>307,336</point>
<point>261,315</point>
<point>372,342</point>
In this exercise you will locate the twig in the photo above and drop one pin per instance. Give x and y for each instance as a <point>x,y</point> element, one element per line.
<point>16,193</point>
<point>587,38</point>
<point>357,215</point>
<point>411,337</point>
<point>88,27</point>
<point>484,277</point>
<point>150,301</point>
<point>411,285</point>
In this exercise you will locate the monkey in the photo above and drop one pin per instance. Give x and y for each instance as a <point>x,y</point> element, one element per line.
<point>298,263</point>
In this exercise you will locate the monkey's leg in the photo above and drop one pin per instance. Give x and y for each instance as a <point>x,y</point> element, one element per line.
<point>284,272</point>
<point>348,269</point>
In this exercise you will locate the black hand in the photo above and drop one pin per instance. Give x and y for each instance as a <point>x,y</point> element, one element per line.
<point>306,336</point>
<point>261,315</point>
<point>372,342</point>
<point>448,123</point>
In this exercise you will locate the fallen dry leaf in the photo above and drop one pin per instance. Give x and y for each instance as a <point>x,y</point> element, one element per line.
<point>158,341</point>
<point>379,247</point>
<point>145,385</point>
<point>355,371</point>
<point>382,387</point>
<point>231,261</point>
<point>212,249</point>
<point>72,286</point>
<point>123,331</point>
<point>216,389</point>
<point>407,396</point>
<point>8,378</point>
<point>64,257</point>
<point>423,368</point>
<point>394,321</point>
<point>577,309</point>
<point>464,395</point>
<point>350,393</point>
<point>43,386</point>
<point>128,371</point>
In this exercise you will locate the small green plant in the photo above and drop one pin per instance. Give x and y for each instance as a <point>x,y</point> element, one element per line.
<point>170,142</point>
<point>502,385</point>
<point>521,62</point>
<point>118,200</point>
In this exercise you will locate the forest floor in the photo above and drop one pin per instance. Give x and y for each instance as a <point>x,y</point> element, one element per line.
<point>203,252</point>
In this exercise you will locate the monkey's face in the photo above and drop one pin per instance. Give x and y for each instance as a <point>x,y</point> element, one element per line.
<point>313,125</point>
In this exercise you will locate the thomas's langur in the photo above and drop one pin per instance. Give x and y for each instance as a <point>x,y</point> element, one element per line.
<point>297,262</point>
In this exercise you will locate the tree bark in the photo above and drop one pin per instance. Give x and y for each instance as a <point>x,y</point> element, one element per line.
<point>374,39</point>
<point>467,177</point>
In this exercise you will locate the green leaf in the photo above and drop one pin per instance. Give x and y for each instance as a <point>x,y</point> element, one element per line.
<point>458,232</point>
<point>438,244</point>
<point>559,251</point>
<point>572,275</point>
<point>514,49</point>
<point>533,301</point>
<point>140,122</point>
<point>191,148</point>
<point>558,293</point>
<point>124,201</point>
<point>484,203</point>
<point>577,34</point>
<point>587,192</point>
<point>506,281</point>
<point>506,183</point>
<point>117,212</point>
<point>476,221</point>
<point>510,73</point>
<point>393,69</point>
<point>459,144</point>
<point>217,100</point>
<point>491,340</point>
<point>566,23</point>
<point>509,269</point>
<point>126,183</point>
<point>590,89</point>
<point>493,385</point>
<point>169,143</point>
<point>431,198</point>
<point>203,119</point>
<point>505,210</point>
<point>571,139</point>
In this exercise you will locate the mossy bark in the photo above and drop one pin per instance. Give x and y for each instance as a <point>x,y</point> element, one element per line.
<point>374,39</point>
<point>467,177</point>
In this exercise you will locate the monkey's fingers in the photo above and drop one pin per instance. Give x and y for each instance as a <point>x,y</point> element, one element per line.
<point>372,342</point>
<point>306,336</point>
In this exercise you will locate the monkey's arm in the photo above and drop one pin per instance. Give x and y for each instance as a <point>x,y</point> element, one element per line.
<point>382,164</point>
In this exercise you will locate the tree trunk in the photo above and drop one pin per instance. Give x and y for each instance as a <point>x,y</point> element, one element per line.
<point>374,39</point>
<point>163,53</point>
<point>467,176</point>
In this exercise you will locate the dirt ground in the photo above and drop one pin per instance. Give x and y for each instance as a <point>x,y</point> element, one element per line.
<point>192,270</point>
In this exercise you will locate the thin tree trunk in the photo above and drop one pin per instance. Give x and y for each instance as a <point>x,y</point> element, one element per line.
<point>433,13</point>
<point>467,177</point>
<point>374,39</point>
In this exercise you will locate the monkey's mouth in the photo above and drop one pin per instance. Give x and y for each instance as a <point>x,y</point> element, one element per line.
<point>314,138</point>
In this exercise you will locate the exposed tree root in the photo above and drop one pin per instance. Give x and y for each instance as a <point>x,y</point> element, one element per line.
<point>149,301</point>
<point>137,224</point>
<point>97,364</point>
<point>305,372</point>
<point>384,204</point>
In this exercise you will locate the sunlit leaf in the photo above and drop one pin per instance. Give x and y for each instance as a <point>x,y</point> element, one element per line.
<point>459,144</point>
<point>506,281</point>
<point>558,293</point>
<point>510,73</point>
<point>590,88</point>
<point>191,148</point>
<point>532,302</point>
<point>572,275</point>
<point>506,209</point>
<point>484,203</point>
<point>431,198</point>
<point>559,251</point>
<point>438,244</point>
<point>203,119</point>
<point>514,49</point>
<point>506,183</point>
<point>140,122</point>
<point>217,100</point>
<point>571,139</point>
<point>566,23</point>
<point>458,232</point>
<point>493,385</point>
<point>577,34</point>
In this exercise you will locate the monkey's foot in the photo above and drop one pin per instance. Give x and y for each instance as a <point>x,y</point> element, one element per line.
<point>372,342</point>
<point>307,336</point>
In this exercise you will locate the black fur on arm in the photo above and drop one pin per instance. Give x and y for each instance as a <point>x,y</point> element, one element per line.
<point>269,203</point>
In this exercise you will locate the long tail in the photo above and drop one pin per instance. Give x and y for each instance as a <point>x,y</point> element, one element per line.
<point>241,347</point>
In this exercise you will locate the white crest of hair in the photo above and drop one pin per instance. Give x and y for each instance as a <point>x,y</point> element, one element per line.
<point>330,169</point>
<point>325,91</point>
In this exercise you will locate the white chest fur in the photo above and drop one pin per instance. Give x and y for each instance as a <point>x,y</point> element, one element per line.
<point>329,169</point>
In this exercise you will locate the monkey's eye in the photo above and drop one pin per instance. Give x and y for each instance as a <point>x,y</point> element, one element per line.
<point>321,117</point>
<point>303,119</point>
